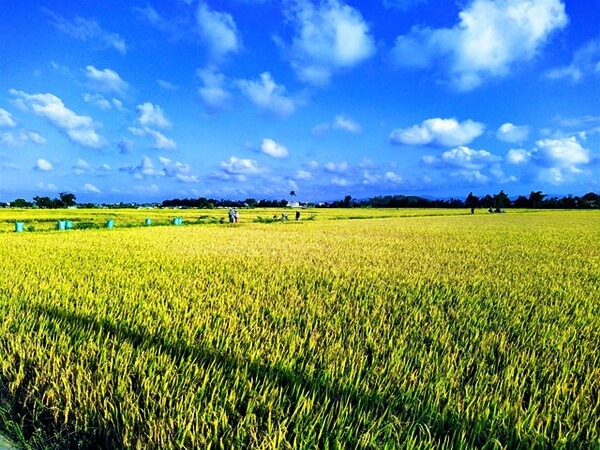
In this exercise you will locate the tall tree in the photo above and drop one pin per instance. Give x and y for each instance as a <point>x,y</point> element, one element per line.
<point>501,200</point>
<point>536,198</point>
<point>67,199</point>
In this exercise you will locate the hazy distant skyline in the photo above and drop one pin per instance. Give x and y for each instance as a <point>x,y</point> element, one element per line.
<point>144,101</point>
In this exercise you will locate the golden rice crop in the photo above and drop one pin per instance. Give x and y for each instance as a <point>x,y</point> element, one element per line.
<point>394,332</point>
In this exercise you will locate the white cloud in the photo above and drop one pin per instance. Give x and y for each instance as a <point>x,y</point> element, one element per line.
<point>152,115</point>
<point>509,132</point>
<point>272,148</point>
<point>145,168</point>
<point>565,153</point>
<point>23,137</point>
<point>240,166</point>
<point>337,181</point>
<point>337,167</point>
<point>490,38</point>
<point>586,62</point>
<point>329,36</point>
<point>161,142</point>
<point>218,30</point>
<point>81,166</point>
<point>392,177</point>
<point>79,129</point>
<point>467,158</point>
<point>303,175</point>
<point>118,104</point>
<point>98,100</point>
<point>105,80</point>
<point>85,30</point>
<point>43,165</point>
<point>267,95</point>
<point>91,188</point>
<point>178,170</point>
<point>517,156</point>
<point>445,132</point>
<point>341,122</point>
<point>213,93</point>
<point>6,119</point>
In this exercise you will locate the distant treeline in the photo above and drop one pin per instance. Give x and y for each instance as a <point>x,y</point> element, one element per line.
<point>223,203</point>
<point>536,199</point>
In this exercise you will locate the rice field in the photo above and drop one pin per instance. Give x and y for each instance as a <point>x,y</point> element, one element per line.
<point>406,329</point>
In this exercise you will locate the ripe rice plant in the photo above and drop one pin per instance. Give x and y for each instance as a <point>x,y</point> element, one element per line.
<point>452,331</point>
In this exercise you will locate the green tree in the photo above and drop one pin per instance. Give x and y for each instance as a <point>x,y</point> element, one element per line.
<point>20,203</point>
<point>43,202</point>
<point>536,198</point>
<point>472,201</point>
<point>501,200</point>
<point>67,199</point>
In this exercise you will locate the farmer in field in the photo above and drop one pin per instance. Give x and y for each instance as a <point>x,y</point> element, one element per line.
<point>236,215</point>
<point>231,216</point>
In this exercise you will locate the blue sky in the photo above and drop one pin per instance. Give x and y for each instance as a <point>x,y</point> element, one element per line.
<point>149,100</point>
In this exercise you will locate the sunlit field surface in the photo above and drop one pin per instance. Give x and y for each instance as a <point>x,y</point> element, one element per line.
<point>400,330</point>
<point>46,219</point>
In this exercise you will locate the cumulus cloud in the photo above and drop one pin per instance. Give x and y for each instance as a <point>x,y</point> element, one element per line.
<point>82,167</point>
<point>564,153</point>
<point>105,80</point>
<point>517,156</point>
<point>468,164</point>
<point>177,170</point>
<point>161,142</point>
<point>6,119</point>
<point>489,39</point>
<point>43,165</point>
<point>272,148</point>
<point>444,132</point>
<point>370,178</point>
<point>240,166</point>
<point>87,30</point>
<point>337,167</point>
<point>585,63</point>
<point>509,132</point>
<point>98,100</point>
<point>144,168</point>
<point>267,95</point>
<point>338,181</point>
<point>303,175</point>
<point>213,93</point>
<point>152,116</point>
<point>21,138</point>
<point>88,187</point>
<point>218,30</point>
<point>79,129</point>
<point>467,158</point>
<point>328,37</point>
<point>341,122</point>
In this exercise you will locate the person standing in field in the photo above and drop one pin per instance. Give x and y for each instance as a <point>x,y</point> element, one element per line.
<point>236,216</point>
<point>231,216</point>
<point>297,215</point>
